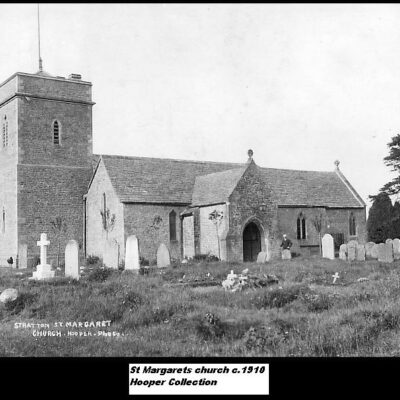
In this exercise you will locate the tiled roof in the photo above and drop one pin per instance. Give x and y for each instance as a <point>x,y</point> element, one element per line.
<point>215,188</point>
<point>158,180</point>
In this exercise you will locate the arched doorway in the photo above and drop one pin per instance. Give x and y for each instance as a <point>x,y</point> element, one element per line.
<point>251,242</point>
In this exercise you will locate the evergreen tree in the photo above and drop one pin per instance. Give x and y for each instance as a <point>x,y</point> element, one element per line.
<point>381,213</point>
<point>393,160</point>
<point>396,220</point>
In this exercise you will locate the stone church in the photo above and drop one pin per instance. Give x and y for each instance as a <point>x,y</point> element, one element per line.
<point>48,175</point>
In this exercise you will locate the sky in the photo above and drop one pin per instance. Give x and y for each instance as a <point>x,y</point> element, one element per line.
<point>302,85</point>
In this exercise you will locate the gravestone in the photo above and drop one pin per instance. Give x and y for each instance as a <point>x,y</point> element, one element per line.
<point>368,249</point>
<point>328,249</point>
<point>343,251</point>
<point>43,270</point>
<point>22,256</point>
<point>381,252</point>
<point>375,251</point>
<point>360,252</point>
<point>132,254</point>
<point>262,257</point>
<point>286,255</point>
<point>388,252</point>
<point>163,257</point>
<point>352,250</point>
<point>396,249</point>
<point>111,254</point>
<point>72,259</point>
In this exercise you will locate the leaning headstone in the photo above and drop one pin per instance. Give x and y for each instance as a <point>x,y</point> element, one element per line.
<point>388,252</point>
<point>163,257</point>
<point>72,260</point>
<point>388,241</point>
<point>43,270</point>
<point>396,249</point>
<point>368,249</point>
<point>328,249</point>
<point>8,295</point>
<point>381,252</point>
<point>352,250</point>
<point>375,251</point>
<point>343,251</point>
<point>360,252</point>
<point>262,257</point>
<point>286,255</point>
<point>132,254</point>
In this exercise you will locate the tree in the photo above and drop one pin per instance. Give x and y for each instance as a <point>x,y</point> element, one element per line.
<point>216,218</point>
<point>58,227</point>
<point>392,160</point>
<point>318,222</point>
<point>380,218</point>
<point>108,220</point>
<point>396,220</point>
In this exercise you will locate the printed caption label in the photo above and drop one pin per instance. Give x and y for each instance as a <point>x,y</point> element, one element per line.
<point>198,379</point>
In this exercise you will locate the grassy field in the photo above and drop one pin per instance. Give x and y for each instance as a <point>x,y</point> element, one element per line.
<point>167,313</point>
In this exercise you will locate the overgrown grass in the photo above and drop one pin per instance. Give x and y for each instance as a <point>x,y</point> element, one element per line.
<point>162,314</point>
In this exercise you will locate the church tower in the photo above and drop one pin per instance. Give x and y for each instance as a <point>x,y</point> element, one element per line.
<point>45,162</point>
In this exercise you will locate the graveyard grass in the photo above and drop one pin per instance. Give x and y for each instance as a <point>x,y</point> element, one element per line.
<point>158,315</point>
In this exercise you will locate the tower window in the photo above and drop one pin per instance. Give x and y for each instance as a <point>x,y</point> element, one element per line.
<point>5,132</point>
<point>301,227</point>
<point>56,132</point>
<point>172,225</point>
<point>352,225</point>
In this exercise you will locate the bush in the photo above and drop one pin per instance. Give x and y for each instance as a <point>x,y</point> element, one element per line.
<point>144,262</point>
<point>92,260</point>
<point>99,274</point>
<point>209,327</point>
<point>205,258</point>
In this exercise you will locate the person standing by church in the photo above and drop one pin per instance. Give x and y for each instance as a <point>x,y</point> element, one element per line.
<point>286,245</point>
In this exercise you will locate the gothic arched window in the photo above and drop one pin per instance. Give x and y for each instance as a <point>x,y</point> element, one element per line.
<point>5,132</point>
<point>172,225</point>
<point>301,227</point>
<point>56,132</point>
<point>352,225</point>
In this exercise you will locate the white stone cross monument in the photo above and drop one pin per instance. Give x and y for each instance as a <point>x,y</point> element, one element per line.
<point>43,270</point>
<point>335,277</point>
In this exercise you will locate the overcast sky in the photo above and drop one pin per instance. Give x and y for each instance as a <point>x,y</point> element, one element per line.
<point>302,85</point>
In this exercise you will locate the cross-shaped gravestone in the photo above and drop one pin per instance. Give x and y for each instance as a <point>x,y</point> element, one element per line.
<point>43,270</point>
<point>232,275</point>
<point>43,243</point>
<point>335,277</point>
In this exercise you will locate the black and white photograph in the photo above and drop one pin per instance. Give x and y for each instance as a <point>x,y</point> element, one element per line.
<point>200,181</point>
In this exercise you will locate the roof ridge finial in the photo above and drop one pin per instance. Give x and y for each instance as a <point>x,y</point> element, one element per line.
<point>250,154</point>
<point>337,162</point>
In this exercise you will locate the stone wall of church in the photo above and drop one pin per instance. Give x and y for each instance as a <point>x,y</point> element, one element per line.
<point>150,223</point>
<point>36,146</point>
<point>45,193</point>
<point>334,221</point>
<point>188,236</point>
<point>99,239</point>
<point>251,201</point>
<point>8,183</point>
